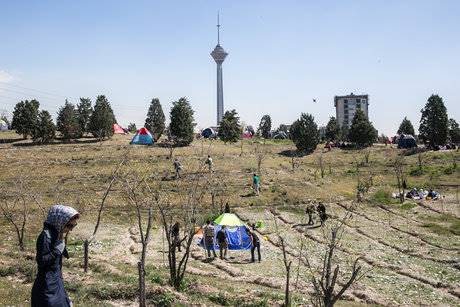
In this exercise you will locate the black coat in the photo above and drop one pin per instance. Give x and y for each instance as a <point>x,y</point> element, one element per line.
<point>48,289</point>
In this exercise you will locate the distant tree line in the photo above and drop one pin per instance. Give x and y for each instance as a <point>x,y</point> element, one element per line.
<point>72,121</point>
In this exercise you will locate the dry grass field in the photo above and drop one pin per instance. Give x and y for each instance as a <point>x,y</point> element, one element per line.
<point>409,252</point>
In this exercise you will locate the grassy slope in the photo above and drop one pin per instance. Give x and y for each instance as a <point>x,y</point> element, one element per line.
<point>78,173</point>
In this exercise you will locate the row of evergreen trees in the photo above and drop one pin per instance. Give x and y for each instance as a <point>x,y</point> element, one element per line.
<point>72,121</point>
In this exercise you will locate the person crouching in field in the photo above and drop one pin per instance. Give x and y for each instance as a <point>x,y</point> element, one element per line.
<point>48,289</point>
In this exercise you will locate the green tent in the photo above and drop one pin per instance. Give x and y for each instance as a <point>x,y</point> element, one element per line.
<point>228,219</point>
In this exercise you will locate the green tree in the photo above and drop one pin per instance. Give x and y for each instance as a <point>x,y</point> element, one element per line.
<point>67,122</point>
<point>344,133</point>
<point>132,128</point>
<point>304,133</point>
<point>406,127</point>
<point>182,122</point>
<point>45,129</point>
<point>454,131</point>
<point>265,126</point>
<point>332,130</point>
<point>230,128</point>
<point>25,116</point>
<point>155,121</point>
<point>362,132</point>
<point>102,119</point>
<point>84,111</point>
<point>434,122</point>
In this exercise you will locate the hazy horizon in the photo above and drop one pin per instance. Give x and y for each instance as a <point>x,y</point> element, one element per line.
<point>282,55</point>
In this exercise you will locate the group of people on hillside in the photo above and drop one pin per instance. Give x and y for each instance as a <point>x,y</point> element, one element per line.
<point>211,239</point>
<point>178,169</point>
<point>320,210</point>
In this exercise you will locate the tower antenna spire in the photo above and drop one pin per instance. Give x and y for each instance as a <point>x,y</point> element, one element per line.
<point>218,29</point>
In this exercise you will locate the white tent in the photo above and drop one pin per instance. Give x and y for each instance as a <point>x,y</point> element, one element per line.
<point>3,125</point>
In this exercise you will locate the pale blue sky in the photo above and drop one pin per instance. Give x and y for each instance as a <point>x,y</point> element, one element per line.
<point>281,55</point>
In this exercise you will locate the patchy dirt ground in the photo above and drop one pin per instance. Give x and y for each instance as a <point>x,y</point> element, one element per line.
<point>410,252</point>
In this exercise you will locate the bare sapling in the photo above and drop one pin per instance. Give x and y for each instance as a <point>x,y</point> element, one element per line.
<point>260,152</point>
<point>325,278</point>
<point>400,176</point>
<point>186,212</point>
<point>87,242</point>
<point>142,198</point>
<point>367,154</point>
<point>364,183</point>
<point>14,207</point>
<point>321,164</point>
<point>286,262</point>
<point>420,160</point>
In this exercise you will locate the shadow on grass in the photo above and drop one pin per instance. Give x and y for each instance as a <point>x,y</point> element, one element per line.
<point>306,226</point>
<point>59,142</point>
<point>7,141</point>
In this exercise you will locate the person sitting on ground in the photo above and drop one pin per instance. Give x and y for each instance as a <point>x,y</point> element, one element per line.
<point>309,211</point>
<point>223,242</point>
<point>432,195</point>
<point>256,184</point>
<point>175,231</point>
<point>177,167</point>
<point>322,213</point>
<point>209,163</point>
<point>255,244</point>
<point>48,288</point>
<point>209,237</point>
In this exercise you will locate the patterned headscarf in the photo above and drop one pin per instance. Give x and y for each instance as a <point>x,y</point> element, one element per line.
<point>60,215</point>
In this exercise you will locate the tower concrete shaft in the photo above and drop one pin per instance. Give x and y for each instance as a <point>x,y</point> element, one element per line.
<point>220,94</point>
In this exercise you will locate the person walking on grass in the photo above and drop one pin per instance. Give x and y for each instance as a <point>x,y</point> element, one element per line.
<point>177,168</point>
<point>255,244</point>
<point>256,184</point>
<point>209,163</point>
<point>322,213</point>
<point>223,242</point>
<point>209,235</point>
<point>48,288</point>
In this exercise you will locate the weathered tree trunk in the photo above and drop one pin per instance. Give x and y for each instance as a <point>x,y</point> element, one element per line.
<point>86,255</point>
<point>141,269</point>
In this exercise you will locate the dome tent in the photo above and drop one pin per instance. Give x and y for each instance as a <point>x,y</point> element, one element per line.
<point>142,137</point>
<point>235,230</point>
<point>3,125</point>
<point>406,141</point>
<point>208,133</point>
<point>117,129</point>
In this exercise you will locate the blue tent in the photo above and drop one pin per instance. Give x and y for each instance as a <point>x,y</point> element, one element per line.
<point>142,137</point>
<point>237,237</point>
<point>406,141</point>
<point>208,133</point>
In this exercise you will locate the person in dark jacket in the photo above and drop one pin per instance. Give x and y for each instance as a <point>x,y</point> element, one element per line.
<point>175,232</point>
<point>48,289</point>
<point>322,213</point>
<point>255,244</point>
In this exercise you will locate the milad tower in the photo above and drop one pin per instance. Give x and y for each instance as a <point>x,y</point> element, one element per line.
<point>219,55</point>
